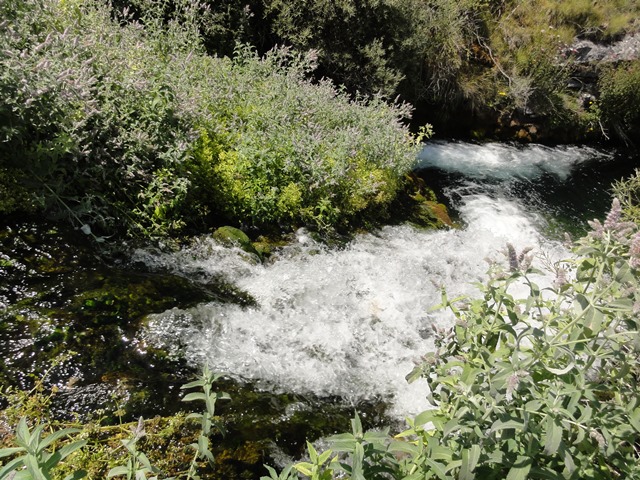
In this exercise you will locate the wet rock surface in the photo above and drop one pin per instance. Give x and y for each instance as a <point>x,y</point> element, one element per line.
<point>66,311</point>
<point>587,51</point>
<point>72,315</point>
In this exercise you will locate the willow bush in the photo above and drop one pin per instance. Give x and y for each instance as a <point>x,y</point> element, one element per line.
<point>126,125</point>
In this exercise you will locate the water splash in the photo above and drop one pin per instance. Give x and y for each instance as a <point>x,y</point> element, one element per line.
<point>505,162</point>
<point>344,322</point>
<point>350,322</point>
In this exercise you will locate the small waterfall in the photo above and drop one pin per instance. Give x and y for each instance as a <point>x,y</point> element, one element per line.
<point>350,322</point>
<point>507,162</point>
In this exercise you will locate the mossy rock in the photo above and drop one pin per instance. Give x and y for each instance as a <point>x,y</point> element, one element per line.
<point>431,214</point>
<point>417,189</point>
<point>234,237</point>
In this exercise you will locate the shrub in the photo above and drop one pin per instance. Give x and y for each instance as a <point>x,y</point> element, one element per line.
<point>628,191</point>
<point>297,152</point>
<point>411,47</point>
<point>546,385</point>
<point>620,97</point>
<point>132,127</point>
<point>89,113</point>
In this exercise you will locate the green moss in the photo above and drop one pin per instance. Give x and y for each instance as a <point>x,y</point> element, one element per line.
<point>61,298</point>
<point>235,237</point>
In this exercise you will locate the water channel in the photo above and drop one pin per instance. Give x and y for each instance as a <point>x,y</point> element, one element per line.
<point>349,322</point>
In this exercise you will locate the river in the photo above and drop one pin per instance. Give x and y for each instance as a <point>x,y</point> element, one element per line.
<point>349,322</point>
<point>304,338</point>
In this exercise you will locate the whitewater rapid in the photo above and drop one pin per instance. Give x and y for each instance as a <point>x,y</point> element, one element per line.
<point>350,322</point>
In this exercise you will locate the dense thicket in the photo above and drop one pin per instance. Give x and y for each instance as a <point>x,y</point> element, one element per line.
<point>499,66</point>
<point>504,62</point>
<point>147,116</point>
<point>126,124</point>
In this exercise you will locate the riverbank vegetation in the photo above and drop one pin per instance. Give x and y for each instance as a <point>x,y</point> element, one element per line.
<point>154,119</point>
<point>157,119</point>
<point>506,69</point>
<point>128,126</point>
<point>510,69</point>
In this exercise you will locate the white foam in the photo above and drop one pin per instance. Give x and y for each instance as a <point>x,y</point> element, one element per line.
<point>503,161</point>
<point>344,322</point>
<point>350,322</point>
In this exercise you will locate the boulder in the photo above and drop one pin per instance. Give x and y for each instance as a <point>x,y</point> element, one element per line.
<point>234,237</point>
<point>431,214</point>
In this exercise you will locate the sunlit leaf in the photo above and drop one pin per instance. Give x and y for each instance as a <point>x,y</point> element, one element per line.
<point>56,436</point>
<point>189,397</point>
<point>500,425</point>
<point>553,435</point>
<point>520,469</point>
<point>470,459</point>
<point>304,468</point>
<point>11,466</point>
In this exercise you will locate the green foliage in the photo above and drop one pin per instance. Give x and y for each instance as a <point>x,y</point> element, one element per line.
<point>369,455</point>
<point>207,418</point>
<point>13,195</point>
<point>601,21</point>
<point>129,124</point>
<point>35,461</point>
<point>544,386</point>
<point>356,54</point>
<point>620,97</point>
<point>505,60</point>
<point>628,191</point>
<point>32,458</point>
<point>89,116</point>
<point>296,152</point>
<point>383,46</point>
<point>138,465</point>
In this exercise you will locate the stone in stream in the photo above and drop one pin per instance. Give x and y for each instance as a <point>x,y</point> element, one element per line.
<point>234,237</point>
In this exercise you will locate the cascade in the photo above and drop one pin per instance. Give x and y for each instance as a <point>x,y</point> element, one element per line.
<point>350,322</point>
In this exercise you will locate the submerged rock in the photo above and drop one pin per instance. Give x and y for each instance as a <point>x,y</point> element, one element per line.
<point>65,309</point>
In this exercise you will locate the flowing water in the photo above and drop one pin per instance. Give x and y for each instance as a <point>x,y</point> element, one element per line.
<point>306,336</point>
<point>350,322</point>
